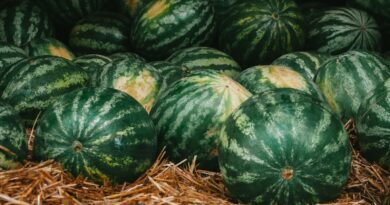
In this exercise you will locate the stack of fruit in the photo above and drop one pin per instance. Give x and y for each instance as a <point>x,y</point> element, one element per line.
<point>255,89</point>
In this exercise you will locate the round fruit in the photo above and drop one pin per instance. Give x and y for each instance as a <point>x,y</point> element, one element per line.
<point>169,72</point>
<point>284,147</point>
<point>48,46</point>
<point>10,54</point>
<point>92,64</point>
<point>99,133</point>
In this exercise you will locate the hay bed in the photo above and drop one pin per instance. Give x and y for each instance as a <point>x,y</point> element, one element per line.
<point>167,183</point>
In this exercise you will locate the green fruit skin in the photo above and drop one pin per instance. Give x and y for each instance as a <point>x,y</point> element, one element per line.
<point>92,64</point>
<point>10,54</point>
<point>169,72</point>
<point>48,46</point>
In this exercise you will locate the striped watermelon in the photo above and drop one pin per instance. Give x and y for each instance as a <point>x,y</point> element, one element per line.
<point>134,77</point>
<point>284,148</point>
<point>48,46</point>
<point>259,79</point>
<point>124,55</point>
<point>99,133</point>
<point>196,58</point>
<point>346,79</point>
<point>169,72</point>
<point>23,21</point>
<point>13,140</point>
<point>342,29</point>
<point>165,26</point>
<point>305,63</point>
<point>10,54</point>
<point>373,122</point>
<point>257,32</point>
<point>33,84</point>
<point>92,64</point>
<point>101,33</point>
<point>188,115</point>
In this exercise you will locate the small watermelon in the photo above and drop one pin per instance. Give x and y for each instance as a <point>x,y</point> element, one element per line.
<point>189,114</point>
<point>10,54</point>
<point>92,64</point>
<point>13,140</point>
<point>165,26</point>
<point>48,46</point>
<point>345,80</point>
<point>99,133</point>
<point>284,147</point>
<point>196,58</point>
<point>23,21</point>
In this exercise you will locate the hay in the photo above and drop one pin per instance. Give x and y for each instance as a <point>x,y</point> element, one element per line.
<point>167,183</point>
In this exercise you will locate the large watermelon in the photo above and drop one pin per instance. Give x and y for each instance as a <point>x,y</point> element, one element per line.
<point>305,63</point>
<point>259,79</point>
<point>100,33</point>
<point>23,21</point>
<point>99,133</point>
<point>189,114</point>
<point>285,148</point>
<point>10,54</point>
<point>257,32</point>
<point>373,122</point>
<point>33,84</point>
<point>48,46</point>
<point>13,139</point>
<point>92,64</point>
<point>165,26</point>
<point>346,79</point>
<point>134,77</point>
<point>196,58</point>
<point>342,29</point>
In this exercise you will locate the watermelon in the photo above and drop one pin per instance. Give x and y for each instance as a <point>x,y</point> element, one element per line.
<point>129,55</point>
<point>169,72</point>
<point>99,133</point>
<point>305,63</point>
<point>372,124</point>
<point>342,29</point>
<point>13,140</point>
<point>259,79</point>
<point>165,26</point>
<point>345,80</point>
<point>188,115</point>
<point>10,54</point>
<point>257,32</point>
<point>92,64</point>
<point>196,58</point>
<point>31,85</point>
<point>100,33</point>
<point>23,21</point>
<point>134,77</point>
<point>284,147</point>
<point>222,7</point>
<point>48,46</point>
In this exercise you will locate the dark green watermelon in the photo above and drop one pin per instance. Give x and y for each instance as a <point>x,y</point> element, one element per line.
<point>100,33</point>
<point>345,80</point>
<point>48,46</point>
<point>10,54</point>
<point>99,133</point>
<point>22,22</point>
<point>31,85</point>
<point>188,115</point>
<point>163,27</point>
<point>257,32</point>
<point>13,139</point>
<point>284,147</point>
<point>92,64</point>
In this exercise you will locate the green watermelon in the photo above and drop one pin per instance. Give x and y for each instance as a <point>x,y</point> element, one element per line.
<point>189,114</point>
<point>346,79</point>
<point>259,79</point>
<point>196,58</point>
<point>284,147</point>
<point>100,33</point>
<point>99,133</point>
<point>129,55</point>
<point>372,123</point>
<point>31,85</point>
<point>342,29</point>
<point>13,140</point>
<point>134,77</point>
<point>10,54</point>
<point>257,32</point>
<point>92,64</point>
<point>23,21</point>
<point>305,63</point>
<point>169,72</point>
<point>48,46</point>
<point>165,26</point>
<point>222,7</point>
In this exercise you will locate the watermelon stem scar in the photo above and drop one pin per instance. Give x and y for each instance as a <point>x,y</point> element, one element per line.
<point>287,173</point>
<point>77,146</point>
<point>275,16</point>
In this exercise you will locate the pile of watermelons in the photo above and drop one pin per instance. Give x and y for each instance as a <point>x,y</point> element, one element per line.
<point>256,89</point>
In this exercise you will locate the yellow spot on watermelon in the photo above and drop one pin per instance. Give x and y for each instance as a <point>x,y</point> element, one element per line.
<point>283,77</point>
<point>60,52</point>
<point>156,9</point>
<point>132,5</point>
